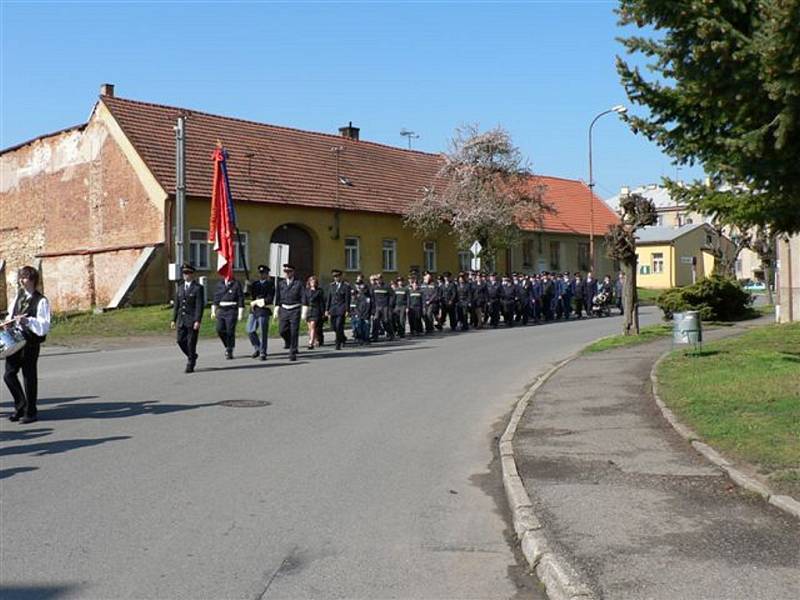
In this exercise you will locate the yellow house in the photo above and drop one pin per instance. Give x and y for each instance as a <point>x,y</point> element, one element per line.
<point>94,206</point>
<point>669,257</point>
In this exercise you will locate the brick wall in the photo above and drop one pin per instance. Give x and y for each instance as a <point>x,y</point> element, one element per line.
<point>69,198</point>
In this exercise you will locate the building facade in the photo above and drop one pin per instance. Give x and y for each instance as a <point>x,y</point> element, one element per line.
<point>93,206</point>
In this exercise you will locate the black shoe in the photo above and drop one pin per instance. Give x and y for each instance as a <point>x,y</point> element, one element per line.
<point>229,355</point>
<point>254,354</point>
<point>14,417</point>
<point>286,346</point>
<point>25,420</point>
<point>189,368</point>
<point>338,346</point>
<point>293,357</point>
<point>263,357</point>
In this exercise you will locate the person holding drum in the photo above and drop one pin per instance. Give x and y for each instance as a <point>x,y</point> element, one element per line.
<point>30,316</point>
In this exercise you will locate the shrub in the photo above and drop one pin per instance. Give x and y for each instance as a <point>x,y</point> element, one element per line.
<point>716,298</point>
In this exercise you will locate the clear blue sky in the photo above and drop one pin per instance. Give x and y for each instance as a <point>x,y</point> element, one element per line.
<point>542,70</point>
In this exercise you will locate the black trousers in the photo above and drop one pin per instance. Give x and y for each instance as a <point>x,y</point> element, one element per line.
<point>494,312</point>
<point>429,316</point>
<point>462,316</point>
<point>226,326</point>
<point>508,312</point>
<point>27,361</point>
<point>289,327</point>
<point>451,312</point>
<point>415,319</point>
<point>578,306</point>
<point>337,324</point>
<point>187,341</point>
<point>382,319</point>
<point>399,321</point>
<point>547,307</point>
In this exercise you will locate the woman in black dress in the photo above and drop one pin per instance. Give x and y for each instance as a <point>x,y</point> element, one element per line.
<point>316,310</point>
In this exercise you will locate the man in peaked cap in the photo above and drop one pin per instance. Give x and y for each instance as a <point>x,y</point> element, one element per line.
<point>261,306</point>
<point>187,314</point>
<point>290,297</point>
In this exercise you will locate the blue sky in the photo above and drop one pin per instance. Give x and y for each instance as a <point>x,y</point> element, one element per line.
<point>542,70</point>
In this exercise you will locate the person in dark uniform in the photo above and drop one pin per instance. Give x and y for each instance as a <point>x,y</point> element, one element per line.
<point>337,306</point>
<point>480,296</point>
<point>315,301</point>
<point>228,309</point>
<point>619,286</point>
<point>430,301</point>
<point>361,313</point>
<point>383,298</point>
<point>508,300</point>
<point>416,307</point>
<point>579,295</point>
<point>589,292</point>
<point>463,302</point>
<point>261,306</point>
<point>449,297</point>
<point>187,313</point>
<point>31,312</point>
<point>400,308</point>
<point>564,306</point>
<point>493,289</point>
<point>290,297</point>
<point>548,296</point>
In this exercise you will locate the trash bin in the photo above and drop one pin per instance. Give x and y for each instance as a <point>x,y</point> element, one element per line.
<point>687,328</point>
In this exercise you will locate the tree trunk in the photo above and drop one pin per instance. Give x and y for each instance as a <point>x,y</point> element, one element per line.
<point>768,283</point>
<point>630,299</point>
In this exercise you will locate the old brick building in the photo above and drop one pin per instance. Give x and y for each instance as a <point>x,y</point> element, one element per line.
<point>93,205</point>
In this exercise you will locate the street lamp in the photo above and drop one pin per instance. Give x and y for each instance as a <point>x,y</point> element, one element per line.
<point>620,110</point>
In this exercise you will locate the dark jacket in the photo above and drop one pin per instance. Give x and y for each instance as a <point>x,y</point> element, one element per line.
<point>339,298</point>
<point>315,300</point>
<point>188,308</point>
<point>229,292</point>
<point>401,298</point>
<point>290,294</point>
<point>263,290</point>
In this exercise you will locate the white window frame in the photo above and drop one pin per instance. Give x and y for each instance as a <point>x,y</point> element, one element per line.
<point>354,249</point>
<point>200,250</point>
<point>238,264</point>
<point>657,260</point>
<point>389,254</point>
<point>587,265</point>
<point>464,260</point>
<point>429,251</point>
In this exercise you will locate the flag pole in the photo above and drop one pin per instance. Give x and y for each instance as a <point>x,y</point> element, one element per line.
<point>236,225</point>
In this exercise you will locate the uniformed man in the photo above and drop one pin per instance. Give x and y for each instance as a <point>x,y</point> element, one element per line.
<point>548,296</point>
<point>290,298</point>
<point>508,300</point>
<point>449,300</point>
<point>493,289</point>
<point>430,300</point>
<point>400,308</point>
<point>383,299</point>
<point>415,307</point>
<point>589,292</point>
<point>463,302</point>
<point>480,297</point>
<point>337,306</point>
<point>187,313</point>
<point>261,306</point>
<point>579,296</point>
<point>228,308</point>
<point>619,286</point>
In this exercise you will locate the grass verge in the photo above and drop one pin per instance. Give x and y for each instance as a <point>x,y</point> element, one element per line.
<point>647,297</point>
<point>646,334</point>
<point>742,396</point>
<point>135,321</point>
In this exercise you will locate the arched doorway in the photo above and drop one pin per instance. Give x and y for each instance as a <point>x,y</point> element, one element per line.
<point>301,248</point>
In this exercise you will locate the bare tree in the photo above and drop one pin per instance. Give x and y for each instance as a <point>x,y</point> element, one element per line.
<point>483,192</point>
<point>637,212</point>
<point>741,237</point>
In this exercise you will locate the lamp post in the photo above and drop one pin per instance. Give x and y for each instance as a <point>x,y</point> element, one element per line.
<point>620,110</point>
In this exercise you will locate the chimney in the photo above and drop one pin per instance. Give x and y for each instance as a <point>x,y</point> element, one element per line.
<point>349,131</point>
<point>107,89</point>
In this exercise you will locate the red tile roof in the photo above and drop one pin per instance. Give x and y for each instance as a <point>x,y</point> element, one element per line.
<point>281,165</point>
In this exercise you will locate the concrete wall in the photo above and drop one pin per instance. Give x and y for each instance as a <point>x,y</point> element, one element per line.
<point>76,200</point>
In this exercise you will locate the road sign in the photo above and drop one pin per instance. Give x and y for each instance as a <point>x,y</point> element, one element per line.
<point>686,260</point>
<point>278,256</point>
<point>475,261</point>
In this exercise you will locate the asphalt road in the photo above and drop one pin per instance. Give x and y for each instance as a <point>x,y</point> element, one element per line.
<point>371,473</point>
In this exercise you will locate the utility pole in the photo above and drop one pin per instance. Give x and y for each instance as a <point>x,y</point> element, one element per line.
<point>409,134</point>
<point>180,189</point>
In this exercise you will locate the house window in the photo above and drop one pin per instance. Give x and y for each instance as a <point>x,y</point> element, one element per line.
<point>527,253</point>
<point>352,254</point>
<point>390,255</point>
<point>555,256</point>
<point>240,251</point>
<point>583,256</point>
<point>660,220</point>
<point>679,219</point>
<point>658,262</point>
<point>429,250</point>
<point>199,249</point>
<point>464,260</point>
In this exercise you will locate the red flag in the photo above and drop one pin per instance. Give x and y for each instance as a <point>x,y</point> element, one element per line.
<point>222,226</point>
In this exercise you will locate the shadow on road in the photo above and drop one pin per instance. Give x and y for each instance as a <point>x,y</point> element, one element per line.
<point>34,592</point>
<point>57,447</point>
<point>23,435</point>
<point>115,410</point>
<point>5,474</point>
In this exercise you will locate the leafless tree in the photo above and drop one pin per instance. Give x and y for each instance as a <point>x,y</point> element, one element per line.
<point>483,192</point>
<point>637,212</point>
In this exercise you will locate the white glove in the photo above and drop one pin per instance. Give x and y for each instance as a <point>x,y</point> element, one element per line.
<point>240,313</point>
<point>213,311</point>
<point>253,303</point>
<point>304,312</point>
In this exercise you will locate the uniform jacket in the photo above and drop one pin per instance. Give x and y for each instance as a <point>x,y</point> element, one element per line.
<point>401,298</point>
<point>229,292</point>
<point>449,293</point>
<point>383,296</point>
<point>493,290</point>
<point>290,293</point>
<point>188,307</point>
<point>263,290</point>
<point>339,298</point>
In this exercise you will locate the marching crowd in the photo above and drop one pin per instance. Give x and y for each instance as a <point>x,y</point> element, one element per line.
<point>413,305</point>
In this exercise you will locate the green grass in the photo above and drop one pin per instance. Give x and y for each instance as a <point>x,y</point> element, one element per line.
<point>646,334</point>
<point>132,322</point>
<point>742,396</point>
<point>647,297</point>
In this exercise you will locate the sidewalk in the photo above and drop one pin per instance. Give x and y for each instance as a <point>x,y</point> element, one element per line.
<point>634,508</point>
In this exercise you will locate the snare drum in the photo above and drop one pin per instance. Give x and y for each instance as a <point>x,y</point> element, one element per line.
<point>11,340</point>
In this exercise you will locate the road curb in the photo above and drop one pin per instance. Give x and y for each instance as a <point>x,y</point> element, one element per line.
<point>560,579</point>
<point>787,504</point>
